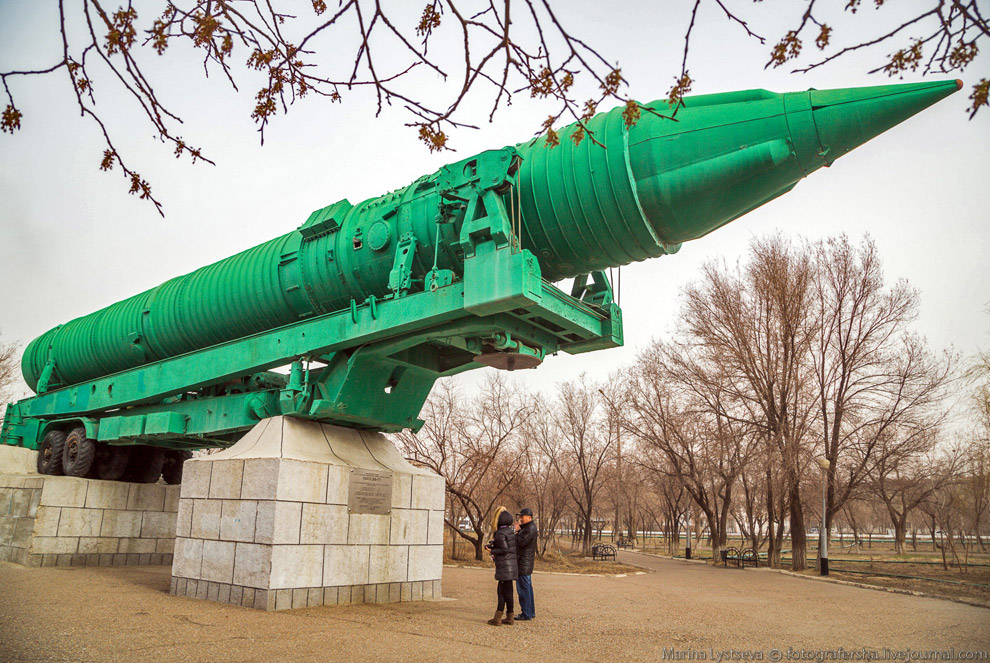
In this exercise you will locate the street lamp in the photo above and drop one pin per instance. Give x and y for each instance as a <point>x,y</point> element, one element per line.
<point>687,525</point>
<point>823,534</point>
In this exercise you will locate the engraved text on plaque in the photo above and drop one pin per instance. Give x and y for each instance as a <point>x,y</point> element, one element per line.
<point>370,492</point>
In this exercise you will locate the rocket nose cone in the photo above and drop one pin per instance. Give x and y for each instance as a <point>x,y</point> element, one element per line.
<point>846,118</point>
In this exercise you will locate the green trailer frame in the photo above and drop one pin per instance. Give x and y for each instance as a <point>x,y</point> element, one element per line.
<point>371,365</point>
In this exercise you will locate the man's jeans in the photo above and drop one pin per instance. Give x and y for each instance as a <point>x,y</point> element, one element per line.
<point>524,588</point>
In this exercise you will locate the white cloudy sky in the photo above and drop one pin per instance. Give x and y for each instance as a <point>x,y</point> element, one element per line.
<point>72,241</point>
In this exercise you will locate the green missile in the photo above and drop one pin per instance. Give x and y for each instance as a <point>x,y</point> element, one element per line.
<point>667,182</point>
<point>630,194</point>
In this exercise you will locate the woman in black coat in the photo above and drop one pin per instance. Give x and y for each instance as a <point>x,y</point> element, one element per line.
<point>503,550</point>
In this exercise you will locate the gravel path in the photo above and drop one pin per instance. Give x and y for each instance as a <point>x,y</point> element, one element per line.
<point>124,614</point>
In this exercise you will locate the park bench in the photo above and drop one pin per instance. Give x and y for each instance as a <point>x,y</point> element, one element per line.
<point>603,551</point>
<point>746,557</point>
<point>624,543</point>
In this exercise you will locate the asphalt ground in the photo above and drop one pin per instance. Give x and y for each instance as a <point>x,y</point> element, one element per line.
<point>678,611</point>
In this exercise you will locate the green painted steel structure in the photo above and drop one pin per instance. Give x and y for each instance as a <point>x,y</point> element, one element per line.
<point>371,303</point>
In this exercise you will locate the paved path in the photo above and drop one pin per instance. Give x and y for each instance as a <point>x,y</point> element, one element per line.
<point>124,614</point>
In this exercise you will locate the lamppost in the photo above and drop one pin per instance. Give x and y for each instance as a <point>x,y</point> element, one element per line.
<point>687,525</point>
<point>823,534</point>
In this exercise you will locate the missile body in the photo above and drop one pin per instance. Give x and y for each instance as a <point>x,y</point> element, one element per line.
<point>631,194</point>
<point>662,182</point>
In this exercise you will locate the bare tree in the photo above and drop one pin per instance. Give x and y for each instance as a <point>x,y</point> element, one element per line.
<point>754,324</point>
<point>9,373</point>
<point>504,49</point>
<point>974,487</point>
<point>903,477</point>
<point>751,514</point>
<point>943,504</point>
<point>935,37</point>
<point>678,410</point>
<point>979,373</point>
<point>329,53</point>
<point>580,449</point>
<point>614,393</point>
<point>634,496</point>
<point>853,512</point>
<point>978,448</point>
<point>472,446</point>
<point>670,497</point>
<point>874,380</point>
<point>544,487</point>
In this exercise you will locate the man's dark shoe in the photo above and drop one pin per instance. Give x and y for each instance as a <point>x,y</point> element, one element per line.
<point>523,618</point>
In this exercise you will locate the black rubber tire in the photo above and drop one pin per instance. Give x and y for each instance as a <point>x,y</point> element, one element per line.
<point>145,465</point>
<point>50,453</point>
<point>94,466</point>
<point>77,457</point>
<point>111,461</point>
<point>172,469</point>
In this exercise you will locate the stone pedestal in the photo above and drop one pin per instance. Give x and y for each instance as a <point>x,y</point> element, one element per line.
<point>297,514</point>
<point>18,460</point>
<point>67,521</point>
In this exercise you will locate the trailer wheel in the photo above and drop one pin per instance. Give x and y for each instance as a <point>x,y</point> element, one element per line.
<point>77,457</point>
<point>50,453</point>
<point>145,464</point>
<point>111,461</point>
<point>172,469</point>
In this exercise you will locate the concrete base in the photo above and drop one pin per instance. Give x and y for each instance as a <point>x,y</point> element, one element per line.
<point>273,522</point>
<point>18,460</point>
<point>67,521</point>
<point>302,597</point>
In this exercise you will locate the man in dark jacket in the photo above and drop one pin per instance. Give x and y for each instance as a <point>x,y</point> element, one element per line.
<point>526,553</point>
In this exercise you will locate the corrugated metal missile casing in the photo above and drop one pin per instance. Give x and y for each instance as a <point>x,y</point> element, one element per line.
<point>343,253</point>
<point>629,195</point>
<point>580,207</point>
<point>302,273</point>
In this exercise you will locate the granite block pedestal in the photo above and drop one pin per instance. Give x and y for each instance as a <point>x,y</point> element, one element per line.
<point>300,514</point>
<point>68,521</point>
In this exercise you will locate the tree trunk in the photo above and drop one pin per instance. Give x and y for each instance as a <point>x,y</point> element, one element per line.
<point>713,534</point>
<point>799,543</point>
<point>773,550</point>
<point>900,535</point>
<point>723,519</point>
<point>586,539</point>
<point>479,548</point>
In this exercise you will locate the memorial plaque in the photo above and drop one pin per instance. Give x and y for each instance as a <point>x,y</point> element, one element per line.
<point>370,492</point>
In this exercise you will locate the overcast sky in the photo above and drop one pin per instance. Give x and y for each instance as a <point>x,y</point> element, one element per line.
<point>72,241</point>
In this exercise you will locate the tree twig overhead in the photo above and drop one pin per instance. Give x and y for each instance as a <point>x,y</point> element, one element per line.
<point>504,50</point>
<point>490,51</point>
